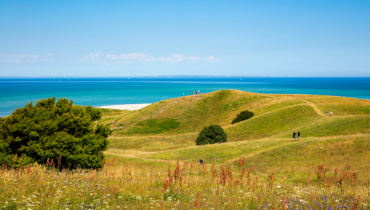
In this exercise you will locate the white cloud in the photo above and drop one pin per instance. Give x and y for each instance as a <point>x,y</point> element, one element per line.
<point>92,57</point>
<point>131,56</point>
<point>50,54</point>
<point>44,59</point>
<point>61,54</point>
<point>99,57</point>
<point>180,58</point>
<point>211,58</point>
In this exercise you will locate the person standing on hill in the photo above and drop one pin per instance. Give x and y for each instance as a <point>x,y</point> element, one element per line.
<point>298,135</point>
<point>326,113</point>
<point>331,114</point>
<point>293,135</point>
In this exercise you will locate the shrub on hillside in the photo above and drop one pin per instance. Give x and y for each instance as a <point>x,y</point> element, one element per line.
<point>53,132</point>
<point>244,115</point>
<point>211,135</point>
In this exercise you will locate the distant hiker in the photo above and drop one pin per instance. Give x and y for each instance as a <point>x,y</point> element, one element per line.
<point>298,135</point>
<point>326,113</point>
<point>199,92</point>
<point>331,114</point>
<point>294,135</point>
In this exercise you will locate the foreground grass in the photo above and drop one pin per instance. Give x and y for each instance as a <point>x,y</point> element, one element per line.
<point>140,185</point>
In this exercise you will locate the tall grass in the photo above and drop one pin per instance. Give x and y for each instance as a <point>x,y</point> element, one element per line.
<point>184,185</point>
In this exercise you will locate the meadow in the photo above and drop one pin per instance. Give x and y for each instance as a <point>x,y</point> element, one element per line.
<point>152,158</point>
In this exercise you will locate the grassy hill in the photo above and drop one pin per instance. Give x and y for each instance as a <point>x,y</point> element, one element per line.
<point>166,130</point>
<point>334,147</point>
<point>175,123</point>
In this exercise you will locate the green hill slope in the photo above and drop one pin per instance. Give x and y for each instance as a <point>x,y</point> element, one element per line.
<point>168,129</point>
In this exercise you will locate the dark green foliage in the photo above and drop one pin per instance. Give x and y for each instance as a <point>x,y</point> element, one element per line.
<point>244,115</point>
<point>48,130</point>
<point>11,206</point>
<point>154,126</point>
<point>94,113</point>
<point>211,135</point>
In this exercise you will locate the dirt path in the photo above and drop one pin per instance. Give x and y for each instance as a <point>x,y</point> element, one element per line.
<point>272,148</point>
<point>162,136</point>
<point>137,154</point>
<point>140,154</point>
<point>317,110</point>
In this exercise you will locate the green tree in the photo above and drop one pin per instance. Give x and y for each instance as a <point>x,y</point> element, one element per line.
<point>244,115</point>
<point>49,130</point>
<point>211,135</point>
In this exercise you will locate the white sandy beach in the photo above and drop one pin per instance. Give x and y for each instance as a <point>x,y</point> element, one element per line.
<point>125,106</point>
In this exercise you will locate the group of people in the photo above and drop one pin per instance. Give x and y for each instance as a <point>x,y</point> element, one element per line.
<point>298,135</point>
<point>331,113</point>
<point>196,92</point>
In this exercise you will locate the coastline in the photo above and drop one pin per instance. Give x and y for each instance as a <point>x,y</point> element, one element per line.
<point>129,107</point>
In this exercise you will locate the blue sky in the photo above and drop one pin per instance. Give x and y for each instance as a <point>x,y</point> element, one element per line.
<point>144,38</point>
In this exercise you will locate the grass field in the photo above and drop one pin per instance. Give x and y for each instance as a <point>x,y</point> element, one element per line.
<point>152,158</point>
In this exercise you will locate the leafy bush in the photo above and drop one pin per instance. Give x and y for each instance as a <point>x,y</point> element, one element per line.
<point>50,132</point>
<point>211,135</point>
<point>244,115</point>
<point>154,126</point>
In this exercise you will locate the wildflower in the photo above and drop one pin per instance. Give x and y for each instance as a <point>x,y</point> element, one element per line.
<point>277,186</point>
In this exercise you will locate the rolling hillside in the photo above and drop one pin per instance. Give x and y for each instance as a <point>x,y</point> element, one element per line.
<point>166,130</point>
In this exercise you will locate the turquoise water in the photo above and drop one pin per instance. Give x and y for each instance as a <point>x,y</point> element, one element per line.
<point>16,93</point>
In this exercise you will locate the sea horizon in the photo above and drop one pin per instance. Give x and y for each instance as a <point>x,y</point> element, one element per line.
<point>107,91</point>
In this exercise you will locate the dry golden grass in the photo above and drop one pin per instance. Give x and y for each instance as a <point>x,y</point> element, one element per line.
<point>134,184</point>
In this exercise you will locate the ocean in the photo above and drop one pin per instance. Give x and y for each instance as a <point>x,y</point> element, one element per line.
<point>17,92</point>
